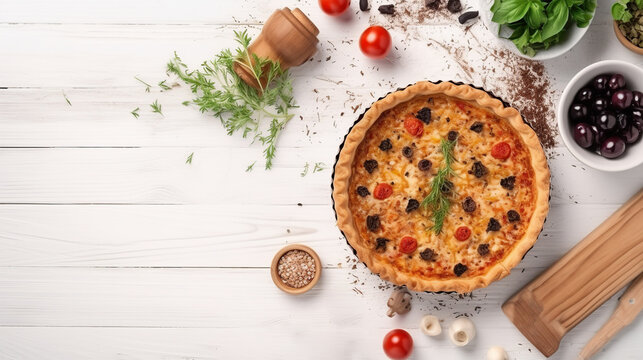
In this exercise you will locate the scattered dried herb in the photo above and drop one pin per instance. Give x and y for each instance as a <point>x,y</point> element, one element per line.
<point>147,86</point>
<point>66,99</point>
<point>156,107</point>
<point>240,107</point>
<point>135,113</point>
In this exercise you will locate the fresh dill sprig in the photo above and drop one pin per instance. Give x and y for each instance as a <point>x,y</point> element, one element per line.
<point>147,86</point>
<point>66,99</point>
<point>438,200</point>
<point>305,171</point>
<point>221,92</point>
<point>156,107</point>
<point>250,167</point>
<point>319,166</point>
<point>185,103</point>
<point>189,159</point>
<point>163,86</point>
<point>135,113</point>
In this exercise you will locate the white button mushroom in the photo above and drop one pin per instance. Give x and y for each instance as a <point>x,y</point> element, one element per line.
<point>497,353</point>
<point>430,325</point>
<point>462,331</point>
<point>399,302</point>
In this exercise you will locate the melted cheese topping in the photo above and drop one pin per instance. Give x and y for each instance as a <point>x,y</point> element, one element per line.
<point>408,182</point>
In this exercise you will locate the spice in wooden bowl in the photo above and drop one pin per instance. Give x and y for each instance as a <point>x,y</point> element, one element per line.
<point>295,269</point>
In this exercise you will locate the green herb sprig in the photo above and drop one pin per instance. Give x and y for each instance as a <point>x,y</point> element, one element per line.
<point>438,201</point>
<point>147,86</point>
<point>538,24</point>
<point>620,11</point>
<point>240,107</point>
<point>66,99</point>
<point>156,107</point>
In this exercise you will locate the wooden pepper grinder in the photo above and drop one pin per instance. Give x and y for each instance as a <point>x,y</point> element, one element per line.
<point>288,36</point>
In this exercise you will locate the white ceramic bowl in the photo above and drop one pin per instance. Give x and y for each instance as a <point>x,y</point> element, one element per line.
<point>634,79</point>
<point>572,36</point>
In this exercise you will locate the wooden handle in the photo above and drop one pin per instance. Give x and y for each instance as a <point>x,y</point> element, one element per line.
<point>629,307</point>
<point>589,274</point>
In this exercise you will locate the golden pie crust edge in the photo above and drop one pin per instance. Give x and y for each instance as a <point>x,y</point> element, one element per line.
<point>343,172</point>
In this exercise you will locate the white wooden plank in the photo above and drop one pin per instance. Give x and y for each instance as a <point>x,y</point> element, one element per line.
<point>329,322</point>
<point>147,11</point>
<point>216,236</point>
<point>202,235</point>
<point>100,117</point>
<point>217,176</point>
<point>276,342</point>
<point>84,55</point>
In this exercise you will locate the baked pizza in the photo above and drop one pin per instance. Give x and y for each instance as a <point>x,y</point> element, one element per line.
<point>440,187</point>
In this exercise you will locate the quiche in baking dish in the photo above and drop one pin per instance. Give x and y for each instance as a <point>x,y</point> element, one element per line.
<point>440,187</point>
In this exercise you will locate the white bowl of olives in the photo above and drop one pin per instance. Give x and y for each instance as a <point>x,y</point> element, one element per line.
<point>600,115</point>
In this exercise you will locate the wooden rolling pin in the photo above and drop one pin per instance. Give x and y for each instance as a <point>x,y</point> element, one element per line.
<point>601,264</point>
<point>629,306</point>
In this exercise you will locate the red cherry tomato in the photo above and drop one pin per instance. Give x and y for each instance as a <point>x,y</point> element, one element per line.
<point>398,344</point>
<point>408,244</point>
<point>501,150</point>
<point>462,233</point>
<point>334,7</point>
<point>375,42</point>
<point>382,191</point>
<point>414,126</point>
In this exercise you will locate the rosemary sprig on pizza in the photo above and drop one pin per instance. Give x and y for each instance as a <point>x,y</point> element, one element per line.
<point>440,187</point>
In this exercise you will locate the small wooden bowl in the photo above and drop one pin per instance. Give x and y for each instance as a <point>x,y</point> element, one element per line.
<point>275,275</point>
<point>625,41</point>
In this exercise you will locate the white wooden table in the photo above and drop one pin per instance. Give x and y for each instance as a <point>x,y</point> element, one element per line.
<point>111,247</point>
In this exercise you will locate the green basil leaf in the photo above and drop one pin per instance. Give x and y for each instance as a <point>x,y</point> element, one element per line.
<point>639,3</point>
<point>510,11</point>
<point>536,15</point>
<point>495,6</point>
<point>536,37</point>
<point>551,41</point>
<point>580,16</point>
<point>590,5</point>
<point>557,16</point>
<point>518,32</point>
<point>520,38</point>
